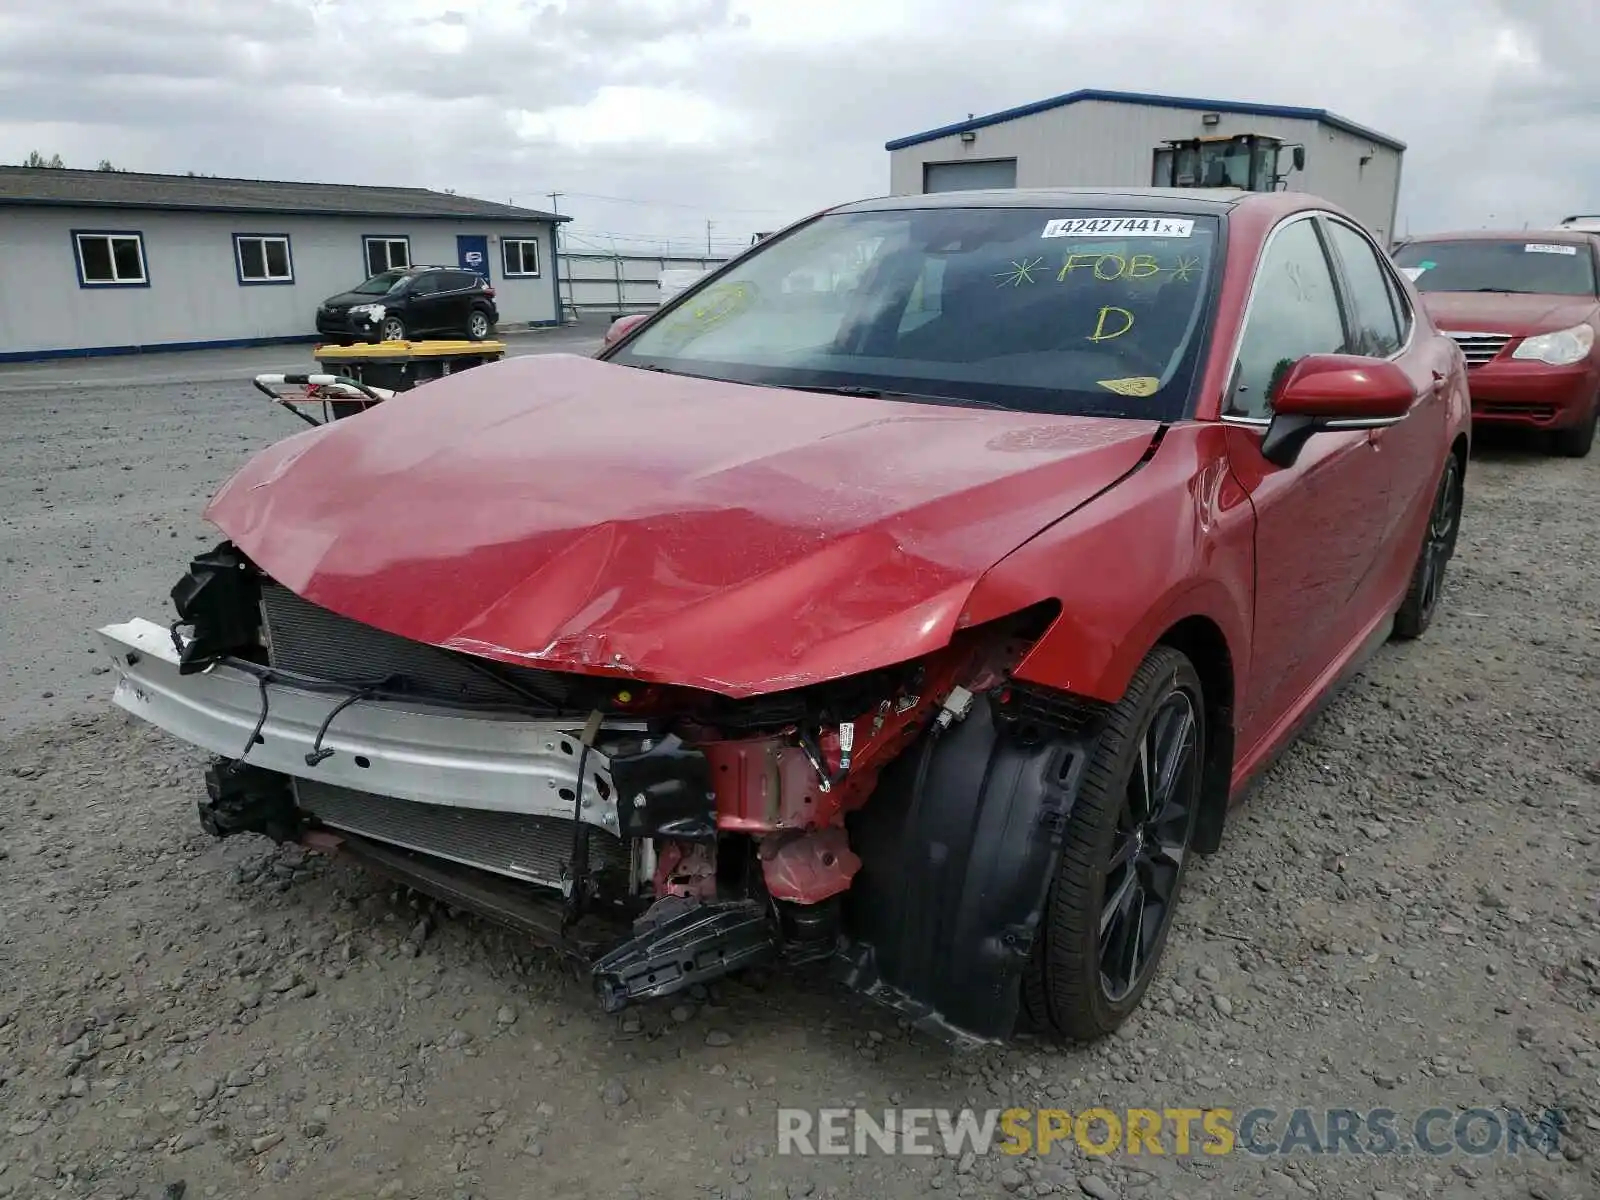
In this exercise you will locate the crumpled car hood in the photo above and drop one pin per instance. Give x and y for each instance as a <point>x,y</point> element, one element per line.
<point>562,512</point>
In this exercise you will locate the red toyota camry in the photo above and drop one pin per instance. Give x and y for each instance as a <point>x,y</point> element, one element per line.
<point>1526,309</point>
<point>916,594</point>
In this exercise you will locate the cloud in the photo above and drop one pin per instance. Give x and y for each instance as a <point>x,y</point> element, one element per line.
<point>654,116</point>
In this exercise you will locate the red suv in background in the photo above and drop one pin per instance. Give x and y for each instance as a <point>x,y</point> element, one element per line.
<point>1525,309</point>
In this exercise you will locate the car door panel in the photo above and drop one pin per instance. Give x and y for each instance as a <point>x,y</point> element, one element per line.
<point>426,301</point>
<point>1411,449</point>
<point>1320,521</point>
<point>1317,533</point>
<point>463,286</point>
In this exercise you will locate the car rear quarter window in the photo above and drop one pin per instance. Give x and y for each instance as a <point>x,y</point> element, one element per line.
<point>1374,327</point>
<point>1294,311</point>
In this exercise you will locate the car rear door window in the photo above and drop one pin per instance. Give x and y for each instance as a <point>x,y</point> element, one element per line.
<point>1402,306</point>
<point>1374,328</point>
<point>1294,311</point>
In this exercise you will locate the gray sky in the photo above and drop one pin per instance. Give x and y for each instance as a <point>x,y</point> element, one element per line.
<point>751,113</point>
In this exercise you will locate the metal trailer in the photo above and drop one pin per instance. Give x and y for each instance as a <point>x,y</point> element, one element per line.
<point>356,377</point>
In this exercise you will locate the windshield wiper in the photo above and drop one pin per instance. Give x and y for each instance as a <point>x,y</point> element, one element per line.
<point>1506,291</point>
<point>872,393</point>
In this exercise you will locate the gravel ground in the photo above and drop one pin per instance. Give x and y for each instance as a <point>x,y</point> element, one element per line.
<point>1403,917</point>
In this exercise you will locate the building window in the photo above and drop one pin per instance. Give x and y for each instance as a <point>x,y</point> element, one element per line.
<point>263,257</point>
<point>110,259</point>
<point>387,254</point>
<point>519,256</point>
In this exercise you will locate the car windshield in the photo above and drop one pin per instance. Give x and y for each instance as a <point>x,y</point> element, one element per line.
<point>381,285</point>
<point>1069,311</point>
<point>1523,264</point>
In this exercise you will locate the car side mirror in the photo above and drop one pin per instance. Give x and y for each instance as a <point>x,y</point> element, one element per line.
<point>620,327</point>
<point>1299,158</point>
<point>1333,391</point>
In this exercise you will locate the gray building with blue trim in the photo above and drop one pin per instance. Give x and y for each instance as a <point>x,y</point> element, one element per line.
<point>1093,138</point>
<point>106,262</point>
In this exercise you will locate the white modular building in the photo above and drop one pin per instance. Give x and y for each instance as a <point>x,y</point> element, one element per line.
<point>105,262</point>
<point>1096,138</point>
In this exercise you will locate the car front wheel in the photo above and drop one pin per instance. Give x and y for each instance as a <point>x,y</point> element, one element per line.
<point>1124,853</point>
<point>1577,441</point>
<point>393,329</point>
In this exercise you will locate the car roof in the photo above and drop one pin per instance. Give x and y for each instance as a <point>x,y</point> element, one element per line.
<point>1576,237</point>
<point>1192,201</point>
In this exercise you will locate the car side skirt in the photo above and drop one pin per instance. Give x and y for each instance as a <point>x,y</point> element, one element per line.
<point>1327,687</point>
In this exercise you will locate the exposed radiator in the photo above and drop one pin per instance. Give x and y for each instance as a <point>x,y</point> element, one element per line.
<point>529,848</point>
<point>305,637</point>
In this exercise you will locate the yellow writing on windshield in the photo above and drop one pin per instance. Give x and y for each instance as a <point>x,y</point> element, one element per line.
<point>1074,261</point>
<point>1137,385</point>
<point>1108,267</point>
<point>721,301</point>
<point>1019,273</point>
<point>711,308</point>
<point>1104,332</point>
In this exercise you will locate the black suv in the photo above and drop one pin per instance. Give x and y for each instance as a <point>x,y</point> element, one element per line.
<point>411,302</point>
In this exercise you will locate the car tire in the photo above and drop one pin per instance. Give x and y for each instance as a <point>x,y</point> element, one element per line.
<point>479,327</point>
<point>1577,441</point>
<point>393,329</point>
<point>1087,972</point>
<point>1438,547</point>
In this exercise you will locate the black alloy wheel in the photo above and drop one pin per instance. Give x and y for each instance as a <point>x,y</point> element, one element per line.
<point>1152,837</point>
<point>1124,852</point>
<point>1438,547</point>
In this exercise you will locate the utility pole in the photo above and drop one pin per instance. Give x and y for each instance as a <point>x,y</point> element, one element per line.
<point>708,239</point>
<point>555,244</point>
<point>554,196</point>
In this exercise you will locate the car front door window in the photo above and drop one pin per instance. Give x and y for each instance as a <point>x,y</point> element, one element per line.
<point>1294,312</point>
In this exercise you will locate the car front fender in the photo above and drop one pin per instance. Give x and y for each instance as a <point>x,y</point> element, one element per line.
<point>1173,541</point>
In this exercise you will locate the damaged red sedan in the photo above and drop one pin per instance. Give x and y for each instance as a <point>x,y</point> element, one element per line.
<point>915,594</point>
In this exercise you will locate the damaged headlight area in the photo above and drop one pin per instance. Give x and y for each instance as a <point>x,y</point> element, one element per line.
<point>902,825</point>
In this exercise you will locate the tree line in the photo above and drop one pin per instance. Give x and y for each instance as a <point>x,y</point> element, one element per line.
<point>54,162</point>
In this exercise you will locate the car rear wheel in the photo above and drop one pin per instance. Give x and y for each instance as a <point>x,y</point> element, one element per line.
<point>478,325</point>
<point>393,329</point>
<point>1124,852</point>
<point>1438,546</point>
<point>1577,441</point>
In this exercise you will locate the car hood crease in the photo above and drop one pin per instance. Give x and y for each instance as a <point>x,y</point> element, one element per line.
<point>568,513</point>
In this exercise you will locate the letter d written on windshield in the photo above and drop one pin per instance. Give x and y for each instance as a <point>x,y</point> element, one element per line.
<point>1112,322</point>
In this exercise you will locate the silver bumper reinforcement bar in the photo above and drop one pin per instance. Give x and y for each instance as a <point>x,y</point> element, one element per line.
<point>406,749</point>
